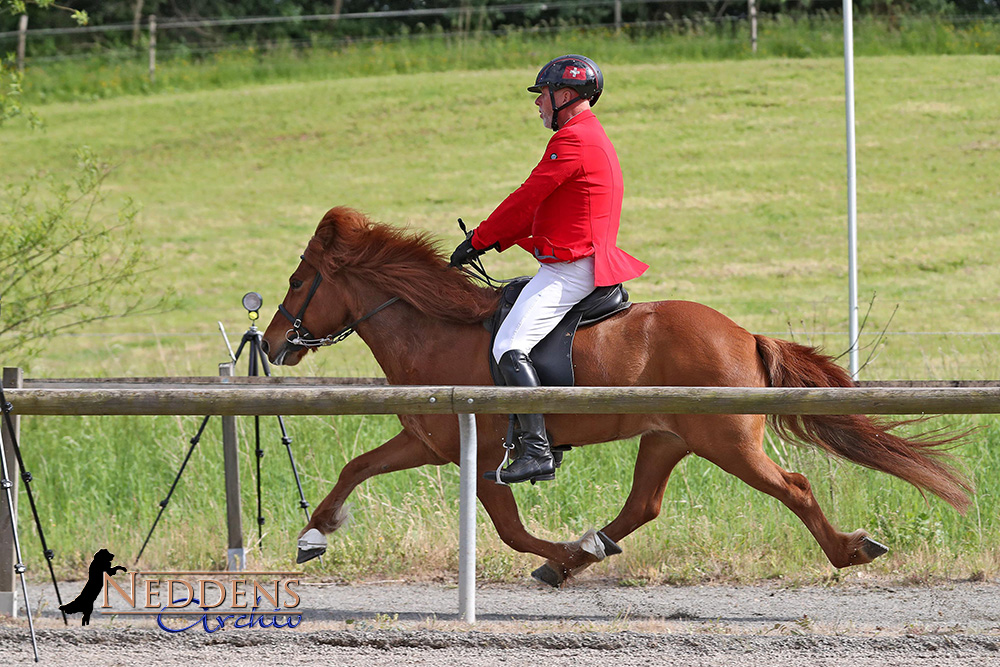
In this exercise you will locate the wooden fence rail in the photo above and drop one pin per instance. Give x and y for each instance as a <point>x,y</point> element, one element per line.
<point>342,400</point>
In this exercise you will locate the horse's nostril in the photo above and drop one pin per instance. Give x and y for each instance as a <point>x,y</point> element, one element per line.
<point>264,346</point>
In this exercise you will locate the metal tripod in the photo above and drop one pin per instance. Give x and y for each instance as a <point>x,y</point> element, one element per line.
<point>7,484</point>
<point>257,361</point>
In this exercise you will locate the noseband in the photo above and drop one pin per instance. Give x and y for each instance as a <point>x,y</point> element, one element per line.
<point>303,338</point>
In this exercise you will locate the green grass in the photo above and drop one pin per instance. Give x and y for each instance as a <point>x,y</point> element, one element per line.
<point>113,73</point>
<point>735,195</point>
<point>100,480</point>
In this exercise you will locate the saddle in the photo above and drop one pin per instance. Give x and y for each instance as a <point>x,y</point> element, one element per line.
<point>553,356</point>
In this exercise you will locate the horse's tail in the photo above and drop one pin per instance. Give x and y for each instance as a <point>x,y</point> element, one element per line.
<point>859,438</point>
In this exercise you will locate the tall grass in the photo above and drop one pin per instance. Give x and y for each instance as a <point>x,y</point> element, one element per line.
<point>100,480</point>
<point>119,72</point>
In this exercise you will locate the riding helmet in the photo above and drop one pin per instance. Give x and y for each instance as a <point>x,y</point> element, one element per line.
<point>571,71</point>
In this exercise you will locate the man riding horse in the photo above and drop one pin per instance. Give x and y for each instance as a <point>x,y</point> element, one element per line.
<point>567,215</point>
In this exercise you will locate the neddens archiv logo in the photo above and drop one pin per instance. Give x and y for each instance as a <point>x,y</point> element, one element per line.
<point>214,601</point>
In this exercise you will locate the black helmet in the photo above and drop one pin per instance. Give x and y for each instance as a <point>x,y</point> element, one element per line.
<point>571,71</point>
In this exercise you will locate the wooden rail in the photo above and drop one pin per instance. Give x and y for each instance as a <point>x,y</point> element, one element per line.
<point>297,400</point>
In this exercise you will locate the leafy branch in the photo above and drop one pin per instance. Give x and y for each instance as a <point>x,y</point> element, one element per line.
<point>62,265</point>
<point>21,6</point>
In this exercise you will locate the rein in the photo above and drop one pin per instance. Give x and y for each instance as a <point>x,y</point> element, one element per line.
<point>475,269</point>
<point>303,338</point>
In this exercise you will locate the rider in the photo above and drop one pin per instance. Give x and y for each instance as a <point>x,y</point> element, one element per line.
<point>567,214</point>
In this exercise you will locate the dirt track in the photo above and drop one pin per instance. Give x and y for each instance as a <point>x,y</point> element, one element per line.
<point>591,622</point>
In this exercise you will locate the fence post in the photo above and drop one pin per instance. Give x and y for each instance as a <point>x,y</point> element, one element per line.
<point>152,49</point>
<point>752,6</point>
<point>236,555</point>
<point>467,518</point>
<point>22,38</point>
<point>618,15</point>
<point>13,378</point>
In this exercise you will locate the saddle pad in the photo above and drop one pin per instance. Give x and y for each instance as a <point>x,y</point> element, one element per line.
<point>553,356</point>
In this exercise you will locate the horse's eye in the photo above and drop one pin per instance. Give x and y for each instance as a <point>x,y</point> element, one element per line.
<point>295,283</point>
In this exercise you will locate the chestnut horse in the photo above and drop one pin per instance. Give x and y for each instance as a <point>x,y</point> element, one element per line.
<point>423,323</point>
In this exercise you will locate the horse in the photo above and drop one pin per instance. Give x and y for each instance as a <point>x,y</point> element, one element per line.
<point>423,322</point>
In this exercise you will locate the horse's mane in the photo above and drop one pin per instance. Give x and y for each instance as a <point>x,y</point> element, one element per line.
<point>403,264</point>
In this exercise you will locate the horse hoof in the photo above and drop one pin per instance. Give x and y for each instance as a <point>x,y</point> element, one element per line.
<point>610,547</point>
<point>548,575</point>
<point>311,545</point>
<point>873,549</point>
<point>308,554</point>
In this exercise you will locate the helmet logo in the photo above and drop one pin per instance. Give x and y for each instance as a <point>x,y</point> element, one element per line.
<point>575,73</point>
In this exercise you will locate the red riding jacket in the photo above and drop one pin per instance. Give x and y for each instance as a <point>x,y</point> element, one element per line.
<point>570,206</point>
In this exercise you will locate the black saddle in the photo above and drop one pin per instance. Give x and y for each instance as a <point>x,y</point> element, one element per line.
<point>553,357</point>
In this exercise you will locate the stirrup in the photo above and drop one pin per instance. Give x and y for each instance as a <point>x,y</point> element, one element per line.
<point>508,447</point>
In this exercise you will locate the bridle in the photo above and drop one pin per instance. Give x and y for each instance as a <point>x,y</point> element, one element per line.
<point>303,337</point>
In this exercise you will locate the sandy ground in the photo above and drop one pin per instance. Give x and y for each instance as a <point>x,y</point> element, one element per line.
<point>589,622</point>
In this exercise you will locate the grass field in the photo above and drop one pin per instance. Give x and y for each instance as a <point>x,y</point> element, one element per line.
<point>735,195</point>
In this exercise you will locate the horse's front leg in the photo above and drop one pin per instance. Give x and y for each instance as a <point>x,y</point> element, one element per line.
<point>399,453</point>
<point>499,502</point>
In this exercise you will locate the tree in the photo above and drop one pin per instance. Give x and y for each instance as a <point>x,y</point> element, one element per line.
<point>62,263</point>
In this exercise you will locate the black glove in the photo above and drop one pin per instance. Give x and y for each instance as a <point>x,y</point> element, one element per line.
<point>465,252</point>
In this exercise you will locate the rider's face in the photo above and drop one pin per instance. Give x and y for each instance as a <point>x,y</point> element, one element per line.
<point>544,103</point>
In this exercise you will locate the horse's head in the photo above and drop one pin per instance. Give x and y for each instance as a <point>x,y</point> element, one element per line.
<point>316,305</point>
<point>352,270</point>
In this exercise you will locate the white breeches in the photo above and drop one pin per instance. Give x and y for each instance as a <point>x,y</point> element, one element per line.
<point>546,298</point>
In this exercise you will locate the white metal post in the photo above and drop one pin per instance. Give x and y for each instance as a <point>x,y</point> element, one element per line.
<point>467,519</point>
<point>852,196</point>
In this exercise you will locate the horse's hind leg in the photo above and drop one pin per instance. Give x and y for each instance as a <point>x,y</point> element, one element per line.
<point>658,454</point>
<point>735,444</point>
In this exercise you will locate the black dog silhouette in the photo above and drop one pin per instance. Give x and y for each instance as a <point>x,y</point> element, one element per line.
<point>84,602</point>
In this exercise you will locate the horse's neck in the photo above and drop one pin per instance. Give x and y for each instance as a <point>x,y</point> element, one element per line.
<point>413,348</point>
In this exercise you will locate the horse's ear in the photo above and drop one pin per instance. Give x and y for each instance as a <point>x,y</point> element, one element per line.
<point>327,230</point>
<point>337,224</point>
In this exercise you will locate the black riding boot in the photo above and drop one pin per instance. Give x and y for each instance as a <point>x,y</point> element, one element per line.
<point>536,462</point>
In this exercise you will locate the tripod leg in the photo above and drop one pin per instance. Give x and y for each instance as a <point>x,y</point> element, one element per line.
<point>286,440</point>
<point>166,501</point>
<point>26,478</point>
<point>19,568</point>
<point>260,512</point>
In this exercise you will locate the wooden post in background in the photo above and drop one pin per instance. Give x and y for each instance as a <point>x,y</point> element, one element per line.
<point>752,7</point>
<point>236,556</point>
<point>618,15</point>
<point>152,49</point>
<point>22,39</point>
<point>137,22</point>
<point>13,378</point>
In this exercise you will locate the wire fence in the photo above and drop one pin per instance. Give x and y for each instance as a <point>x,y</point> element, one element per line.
<point>185,37</point>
